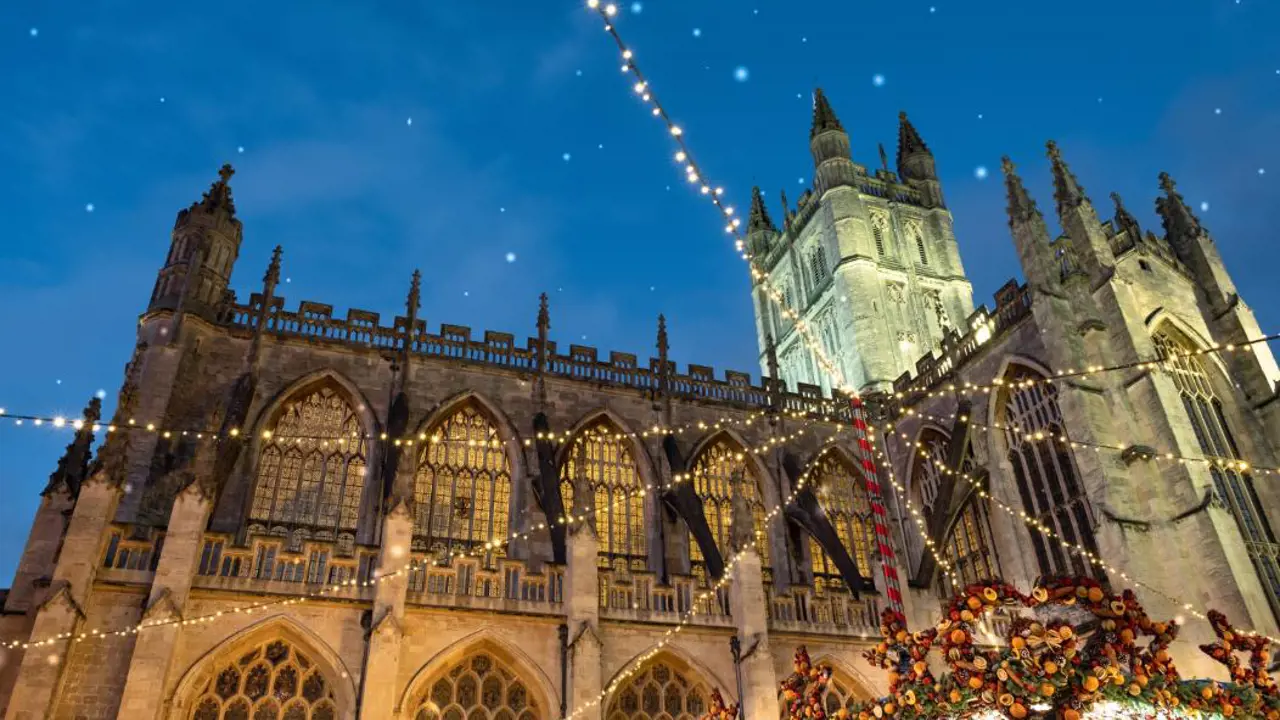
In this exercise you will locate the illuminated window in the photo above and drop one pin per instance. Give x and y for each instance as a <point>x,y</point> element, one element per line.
<point>1235,489</point>
<point>665,690</point>
<point>968,545</point>
<point>713,472</point>
<point>273,681</point>
<point>463,484</point>
<point>311,468</point>
<point>842,493</point>
<point>619,505</point>
<point>1046,474</point>
<point>478,687</point>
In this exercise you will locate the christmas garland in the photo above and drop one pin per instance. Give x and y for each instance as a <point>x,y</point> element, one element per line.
<point>1046,669</point>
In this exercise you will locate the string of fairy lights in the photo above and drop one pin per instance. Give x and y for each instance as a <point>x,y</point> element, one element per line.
<point>1062,439</point>
<point>1077,548</point>
<point>695,176</point>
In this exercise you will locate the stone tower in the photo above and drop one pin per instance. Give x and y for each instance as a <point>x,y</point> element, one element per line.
<point>869,261</point>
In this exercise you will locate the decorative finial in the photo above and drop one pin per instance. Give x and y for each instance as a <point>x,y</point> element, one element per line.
<point>1179,222</point>
<point>1167,184</point>
<point>1124,219</point>
<point>909,143</point>
<point>226,172</point>
<point>1067,191</point>
<point>662,336</point>
<point>1020,206</point>
<point>884,158</point>
<point>758,218</point>
<point>1007,166</point>
<point>272,276</point>
<point>544,315</point>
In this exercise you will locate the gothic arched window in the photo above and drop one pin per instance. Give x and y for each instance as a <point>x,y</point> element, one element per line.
<point>479,687</point>
<point>924,258</point>
<point>818,265</point>
<point>878,233</point>
<point>272,681</point>
<point>311,466</point>
<point>842,493</point>
<point>968,546</point>
<point>611,469</point>
<point>463,484</point>
<point>713,475</point>
<point>842,692</point>
<point>1235,489</point>
<point>1045,472</point>
<point>662,691</point>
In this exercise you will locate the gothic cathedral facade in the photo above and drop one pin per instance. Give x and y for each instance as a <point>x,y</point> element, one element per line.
<point>299,516</point>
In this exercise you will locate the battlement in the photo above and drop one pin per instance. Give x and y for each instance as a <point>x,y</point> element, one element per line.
<point>315,322</point>
<point>1013,304</point>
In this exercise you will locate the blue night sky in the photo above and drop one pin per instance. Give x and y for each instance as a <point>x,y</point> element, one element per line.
<point>451,134</point>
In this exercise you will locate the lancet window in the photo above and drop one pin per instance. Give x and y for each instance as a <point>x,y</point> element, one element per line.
<point>660,692</point>
<point>272,681</point>
<point>924,258</point>
<point>1045,472</point>
<point>818,265</point>
<point>462,488</point>
<point>311,466</point>
<point>479,687</point>
<point>714,472</point>
<point>1234,488</point>
<point>969,545</point>
<point>842,493</point>
<point>605,456</point>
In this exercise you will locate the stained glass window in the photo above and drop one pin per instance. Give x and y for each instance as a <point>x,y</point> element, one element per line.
<point>311,468</point>
<point>271,681</point>
<point>1233,488</point>
<point>611,469</point>
<point>1046,473</point>
<point>842,493</point>
<point>479,687</point>
<point>463,484</point>
<point>661,691</point>
<point>713,473</point>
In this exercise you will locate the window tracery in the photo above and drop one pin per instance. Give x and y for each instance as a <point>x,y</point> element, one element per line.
<point>843,496</point>
<point>1048,481</point>
<point>272,681</point>
<point>1234,489</point>
<point>969,546</point>
<point>661,692</point>
<point>713,475</point>
<point>924,258</point>
<point>818,265</point>
<point>840,693</point>
<point>311,466</point>
<point>462,488</point>
<point>479,687</point>
<point>614,477</point>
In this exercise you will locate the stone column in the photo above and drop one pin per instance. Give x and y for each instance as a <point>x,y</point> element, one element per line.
<point>62,611</point>
<point>152,661</point>
<point>582,602</point>
<point>386,634</point>
<point>751,616</point>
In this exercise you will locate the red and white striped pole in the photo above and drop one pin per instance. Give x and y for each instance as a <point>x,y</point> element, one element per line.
<point>887,560</point>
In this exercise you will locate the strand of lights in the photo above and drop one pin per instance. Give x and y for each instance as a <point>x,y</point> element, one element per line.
<point>61,422</point>
<point>1080,550</point>
<point>695,176</point>
<point>1211,460</point>
<point>1070,373</point>
<point>629,670</point>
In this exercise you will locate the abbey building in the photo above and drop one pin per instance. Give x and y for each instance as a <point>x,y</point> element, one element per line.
<point>301,516</point>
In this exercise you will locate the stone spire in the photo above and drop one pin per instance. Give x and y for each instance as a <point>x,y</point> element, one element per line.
<point>786,210</point>
<point>1067,191</point>
<point>1178,220</point>
<point>111,463</point>
<point>412,304</point>
<point>270,280</point>
<point>1124,221</point>
<point>884,157</point>
<point>909,140</point>
<point>540,364</point>
<point>73,466</point>
<point>824,118</point>
<point>204,244</point>
<point>1021,207</point>
<point>759,218</point>
<point>219,195</point>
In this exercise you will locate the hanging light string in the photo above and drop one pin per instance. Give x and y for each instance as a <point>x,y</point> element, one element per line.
<point>1069,374</point>
<point>1143,453</point>
<point>1078,549</point>
<point>59,422</point>
<point>695,176</point>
